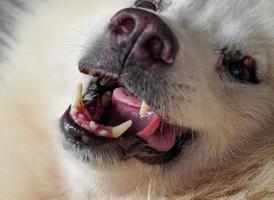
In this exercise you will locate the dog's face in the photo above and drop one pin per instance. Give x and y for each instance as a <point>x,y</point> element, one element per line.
<point>175,89</point>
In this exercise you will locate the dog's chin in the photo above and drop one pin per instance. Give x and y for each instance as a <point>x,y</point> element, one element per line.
<point>108,124</point>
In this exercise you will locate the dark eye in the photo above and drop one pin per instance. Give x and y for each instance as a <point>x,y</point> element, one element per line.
<point>244,69</point>
<point>146,4</point>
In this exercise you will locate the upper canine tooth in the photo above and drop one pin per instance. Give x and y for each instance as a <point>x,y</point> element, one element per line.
<point>77,101</point>
<point>144,108</point>
<point>119,130</point>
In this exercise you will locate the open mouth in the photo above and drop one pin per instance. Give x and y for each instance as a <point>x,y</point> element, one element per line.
<point>107,113</point>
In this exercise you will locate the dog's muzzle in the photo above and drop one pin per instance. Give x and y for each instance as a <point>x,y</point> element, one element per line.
<point>112,111</point>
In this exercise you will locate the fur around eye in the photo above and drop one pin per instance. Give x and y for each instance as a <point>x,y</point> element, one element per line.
<point>243,69</point>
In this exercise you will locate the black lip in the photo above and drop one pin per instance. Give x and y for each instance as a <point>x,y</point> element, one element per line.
<point>163,157</point>
<point>78,135</point>
<point>127,146</point>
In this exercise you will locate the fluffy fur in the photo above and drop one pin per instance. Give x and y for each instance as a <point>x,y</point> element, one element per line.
<point>231,159</point>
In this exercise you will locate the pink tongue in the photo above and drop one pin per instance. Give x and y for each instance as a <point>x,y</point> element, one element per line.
<point>126,106</point>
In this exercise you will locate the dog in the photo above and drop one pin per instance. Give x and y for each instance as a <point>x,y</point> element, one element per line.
<point>146,99</point>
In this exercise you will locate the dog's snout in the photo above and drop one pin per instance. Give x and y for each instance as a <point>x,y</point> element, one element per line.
<point>145,36</point>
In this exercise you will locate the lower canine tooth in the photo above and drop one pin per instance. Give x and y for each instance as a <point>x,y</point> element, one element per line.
<point>119,130</point>
<point>77,101</point>
<point>144,109</point>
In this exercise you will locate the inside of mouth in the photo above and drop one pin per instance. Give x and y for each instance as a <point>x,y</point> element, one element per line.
<point>109,110</point>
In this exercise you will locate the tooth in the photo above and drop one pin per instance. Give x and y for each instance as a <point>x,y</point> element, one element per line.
<point>77,101</point>
<point>92,125</point>
<point>73,111</point>
<point>119,130</point>
<point>144,109</point>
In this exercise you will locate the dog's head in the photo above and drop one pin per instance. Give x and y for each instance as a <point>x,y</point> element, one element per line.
<point>174,89</point>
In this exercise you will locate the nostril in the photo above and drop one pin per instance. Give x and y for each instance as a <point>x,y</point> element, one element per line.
<point>127,25</point>
<point>123,25</point>
<point>160,49</point>
<point>137,34</point>
<point>155,46</point>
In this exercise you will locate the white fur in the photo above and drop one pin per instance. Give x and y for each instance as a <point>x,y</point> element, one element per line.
<point>234,150</point>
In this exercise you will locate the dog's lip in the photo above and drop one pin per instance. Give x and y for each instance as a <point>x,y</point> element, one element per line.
<point>128,146</point>
<point>123,117</point>
<point>78,135</point>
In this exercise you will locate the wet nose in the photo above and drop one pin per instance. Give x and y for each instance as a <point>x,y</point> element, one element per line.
<point>144,36</point>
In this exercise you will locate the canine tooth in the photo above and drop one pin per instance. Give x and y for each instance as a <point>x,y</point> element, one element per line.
<point>144,109</point>
<point>77,98</point>
<point>73,111</point>
<point>119,130</point>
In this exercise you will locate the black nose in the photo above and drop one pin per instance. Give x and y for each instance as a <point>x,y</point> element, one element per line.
<point>145,37</point>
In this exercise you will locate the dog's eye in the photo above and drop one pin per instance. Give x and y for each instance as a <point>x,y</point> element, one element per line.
<point>243,70</point>
<point>146,4</point>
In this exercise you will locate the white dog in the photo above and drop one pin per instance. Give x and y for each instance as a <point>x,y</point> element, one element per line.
<point>176,100</point>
